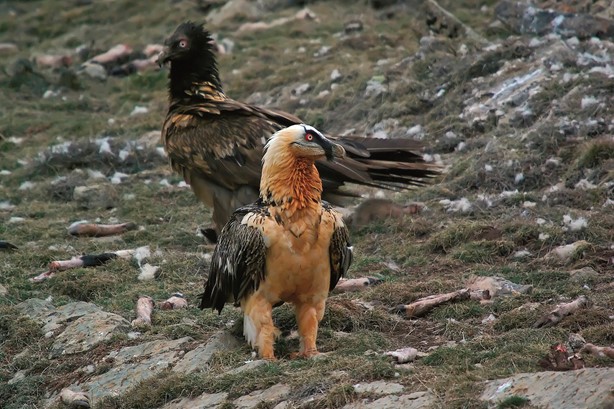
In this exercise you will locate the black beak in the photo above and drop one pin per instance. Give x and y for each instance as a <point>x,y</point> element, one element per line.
<point>332,150</point>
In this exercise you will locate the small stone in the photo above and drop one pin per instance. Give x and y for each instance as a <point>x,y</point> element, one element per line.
<point>378,387</point>
<point>94,70</point>
<point>98,196</point>
<point>271,395</point>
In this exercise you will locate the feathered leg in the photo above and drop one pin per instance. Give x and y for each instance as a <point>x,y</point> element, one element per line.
<point>308,317</point>
<point>258,325</point>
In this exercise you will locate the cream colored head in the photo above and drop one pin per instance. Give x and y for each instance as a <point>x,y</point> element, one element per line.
<point>301,141</point>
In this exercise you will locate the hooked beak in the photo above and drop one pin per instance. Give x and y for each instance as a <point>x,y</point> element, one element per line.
<point>334,151</point>
<point>163,57</point>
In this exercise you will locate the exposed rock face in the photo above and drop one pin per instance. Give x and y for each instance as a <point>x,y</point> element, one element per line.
<point>273,394</point>
<point>198,359</point>
<point>584,388</point>
<point>416,400</point>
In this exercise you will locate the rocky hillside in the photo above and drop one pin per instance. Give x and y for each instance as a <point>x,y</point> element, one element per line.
<point>491,288</point>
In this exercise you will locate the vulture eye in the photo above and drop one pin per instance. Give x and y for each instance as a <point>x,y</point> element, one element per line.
<point>309,137</point>
<point>183,44</point>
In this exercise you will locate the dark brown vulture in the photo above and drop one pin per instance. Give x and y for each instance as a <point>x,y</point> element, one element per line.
<point>289,246</point>
<point>216,142</point>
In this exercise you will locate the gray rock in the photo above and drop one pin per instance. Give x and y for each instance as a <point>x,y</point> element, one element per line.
<point>93,70</point>
<point>378,387</point>
<point>88,331</point>
<point>198,359</point>
<point>68,312</point>
<point>3,290</point>
<point>524,18</point>
<point>498,286</point>
<point>271,395</point>
<point>583,275</point>
<point>121,378</point>
<point>36,309</point>
<point>584,388</point>
<point>148,349</point>
<point>204,401</point>
<point>247,367</point>
<point>416,400</point>
<point>135,364</point>
<point>99,196</point>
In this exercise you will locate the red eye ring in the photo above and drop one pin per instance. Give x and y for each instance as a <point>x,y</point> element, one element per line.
<point>308,137</point>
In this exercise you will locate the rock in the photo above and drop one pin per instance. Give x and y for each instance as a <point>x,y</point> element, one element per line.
<point>584,388</point>
<point>376,86</point>
<point>68,312</point>
<point>271,395</point>
<point>134,365</point>
<point>567,252</point>
<point>94,70</point>
<point>247,367</point>
<point>8,48</point>
<point>523,18</point>
<point>99,196</point>
<point>583,275</point>
<point>232,10</point>
<point>36,309</point>
<point>498,286</point>
<point>378,387</point>
<point>88,331</point>
<point>204,401</point>
<point>416,400</point>
<point>198,359</point>
<point>3,290</point>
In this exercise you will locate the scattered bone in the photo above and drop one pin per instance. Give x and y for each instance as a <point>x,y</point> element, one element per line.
<point>152,50</point>
<point>304,14</point>
<point>565,253</point>
<point>480,295</point>
<point>602,352</point>
<point>561,358</point>
<point>43,276</point>
<point>356,284</point>
<point>561,311</point>
<point>498,286</point>
<point>88,260</point>
<point>422,306</point>
<point>175,302</point>
<point>113,54</point>
<point>380,209</point>
<point>5,245</point>
<point>99,230</point>
<point>74,399</point>
<point>54,61</point>
<point>405,355</point>
<point>144,308</point>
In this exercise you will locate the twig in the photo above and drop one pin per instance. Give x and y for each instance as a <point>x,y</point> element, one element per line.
<point>601,352</point>
<point>144,308</point>
<point>355,284</point>
<point>99,230</point>
<point>424,305</point>
<point>561,311</point>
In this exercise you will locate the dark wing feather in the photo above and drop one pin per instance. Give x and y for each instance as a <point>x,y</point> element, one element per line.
<point>237,265</point>
<point>340,251</point>
<point>223,139</point>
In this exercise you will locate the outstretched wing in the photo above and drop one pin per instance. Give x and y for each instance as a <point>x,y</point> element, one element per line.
<point>340,248</point>
<point>238,262</point>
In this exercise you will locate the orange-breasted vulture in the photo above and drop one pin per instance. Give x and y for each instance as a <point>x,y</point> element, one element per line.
<point>216,142</point>
<point>289,246</point>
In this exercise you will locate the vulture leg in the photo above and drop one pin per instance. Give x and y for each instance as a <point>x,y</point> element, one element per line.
<point>258,327</point>
<point>308,317</point>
